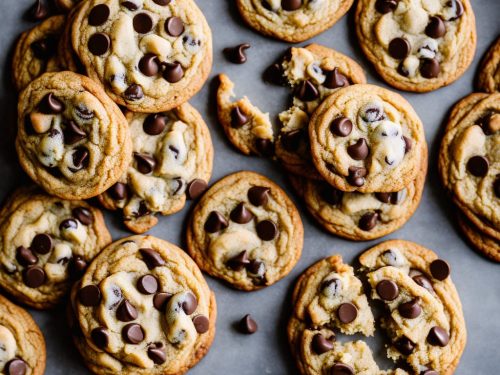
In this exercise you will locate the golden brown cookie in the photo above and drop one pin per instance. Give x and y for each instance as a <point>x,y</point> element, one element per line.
<point>417,45</point>
<point>142,307</point>
<point>68,59</point>
<point>486,245</point>
<point>489,72</point>
<point>21,342</point>
<point>246,231</point>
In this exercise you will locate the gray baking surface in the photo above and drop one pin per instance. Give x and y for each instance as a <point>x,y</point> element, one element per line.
<point>433,225</point>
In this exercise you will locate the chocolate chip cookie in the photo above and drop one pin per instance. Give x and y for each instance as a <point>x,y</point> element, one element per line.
<point>313,73</point>
<point>489,72</point>
<point>46,243</point>
<point>21,342</point>
<point>246,231</point>
<point>417,45</point>
<point>368,139</point>
<point>142,307</point>
<point>246,126</point>
<point>36,51</point>
<point>172,160</point>
<point>72,139</point>
<point>150,56</point>
<point>292,20</point>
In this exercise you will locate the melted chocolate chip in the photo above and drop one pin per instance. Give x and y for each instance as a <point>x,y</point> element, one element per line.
<point>118,191</point>
<point>306,91</point>
<point>83,215</point>
<point>160,300</point>
<point>190,304</point>
<point>147,284</point>
<point>267,230</point>
<point>265,147</point>
<point>174,26</point>
<point>404,345</point>
<point>238,118</point>
<point>215,222</point>
<point>201,323</point>
<point>258,195</point>
<point>34,276</point>
<point>341,127</point>
<point>73,133</point>
<point>359,150</point>
<point>291,140</point>
<point>143,23</point>
<point>50,104</point>
<point>408,144</point>
<point>438,337</point>
<point>25,257</point>
<point>429,68</point>
<point>440,269</point>
<point>320,344</point>
<point>68,224</point>
<point>392,198</point>
<point>83,112</point>
<point>126,312</point>
<point>478,166</point>
<point>155,352</point>
<point>80,159</point>
<point>98,15</point>
<point>133,333</point>
<point>44,48</point>
<point>334,79</point>
<point>162,2</point>
<point>239,262</point>
<point>241,215</point>
<point>99,44</point>
<point>89,295</point>
<point>154,124</point>
<point>196,188</point>
<point>435,28</point>
<point>77,267</point>
<point>459,9</point>
<point>410,309</point>
<point>100,337</point>
<point>152,258</point>
<point>399,48</point>
<point>149,65</point>
<point>386,6</point>
<point>133,92</point>
<point>347,312</point>
<point>387,290</point>
<point>42,243</point>
<point>130,5</point>
<point>341,369</point>
<point>237,54</point>
<point>172,72</point>
<point>248,325</point>
<point>356,176</point>
<point>368,221</point>
<point>16,367</point>
<point>145,163</point>
<point>274,74</point>
<point>291,5</point>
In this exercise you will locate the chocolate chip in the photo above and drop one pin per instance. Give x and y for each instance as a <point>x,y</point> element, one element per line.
<point>291,140</point>
<point>347,312</point>
<point>215,222</point>
<point>359,150</point>
<point>133,333</point>
<point>173,72</point>
<point>42,243</point>
<point>34,276</point>
<point>334,79</point>
<point>435,28</point>
<point>100,337</point>
<point>429,372</point>
<point>239,262</point>
<point>258,195</point>
<point>306,91</point>
<point>440,269</point>
<point>257,268</point>
<point>155,352</point>
<point>152,258</point>
<point>237,54</point>
<point>25,257</point>
<point>162,2</point>
<point>496,187</point>
<point>190,304</point>
<point>154,124</point>
<point>341,126</point>
<point>145,163</point>
<point>89,295</point>
<point>392,198</point>
<point>320,344</point>
<point>196,188</point>
<point>356,176</point>
<point>248,325</point>
<point>341,369</point>
<point>143,23</point>
<point>130,5</point>
<point>274,74</point>
<point>126,312</point>
<point>438,337</point>
<point>98,15</point>
<point>83,215</point>
<point>38,11</point>
<point>77,267</point>
<point>50,104</point>
<point>410,309</point>
<point>80,159</point>
<point>240,214</point>
<point>404,345</point>
<point>68,224</point>
<point>99,44</point>
<point>267,230</point>
<point>399,48</point>
<point>118,191</point>
<point>16,367</point>
<point>408,144</point>
<point>149,65</point>
<point>387,290</point>
<point>73,133</point>
<point>174,26</point>
<point>44,48</point>
<point>423,281</point>
<point>83,112</point>
<point>401,69</point>
<point>290,5</point>
<point>147,284</point>
<point>459,9</point>
<point>134,92</point>
<point>238,118</point>
<point>386,6</point>
<point>429,68</point>
<point>160,300</point>
<point>265,147</point>
<point>368,221</point>
<point>330,195</point>
<point>201,323</point>
<point>478,166</point>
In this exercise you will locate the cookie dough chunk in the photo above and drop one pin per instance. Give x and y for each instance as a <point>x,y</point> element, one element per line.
<point>246,231</point>
<point>360,216</point>
<point>36,52</point>
<point>313,73</point>
<point>246,127</point>
<point>143,307</point>
<point>469,160</point>
<point>292,20</point>
<point>149,55</point>
<point>72,139</point>
<point>21,342</point>
<point>489,72</point>
<point>424,318</point>
<point>417,45</point>
<point>46,243</point>
<point>368,139</point>
<point>172,160</point>
<point>486,245</point>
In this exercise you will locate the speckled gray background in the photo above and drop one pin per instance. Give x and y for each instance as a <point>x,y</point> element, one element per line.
<point>433,225</point>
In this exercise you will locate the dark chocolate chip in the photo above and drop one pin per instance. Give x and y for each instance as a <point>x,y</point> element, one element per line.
<point>435,28</point>
<point>130,5</point>
<point>258,195</point>
<point>347,312</point>
<point>68,224</point>
<point>320,344</point>
<point>42,243</point>
<point>368,221</point>
<point>428,372</point>
<point>334,79</point>
<point>196,188</point>
<point>215,222</point>
<point>98,15</point>
<point>423,281</point>
<point>118,191</point>
<point>440,269</point>
<point>89,295</point>
<point>77,267</point>
<point>404,345</point>
<point>149,65</point>
<point>478,166</point>
<point>80,159</point>
<point>145,163</point>
<point>429,68</point>
<point>496,187</point>
<point>99,44</point>
<point>291,140</point>
<point>330,195</point>
<point>38,11</point>
<point>240,214</point>
<point>248,325</point>
<point>155,353</point>
<point>100,337</point>
<point>291,5</point>
<point>154,124</point>
<point>162,2</point>
<point>386,6</point>
<point>387,290</point>
<point>399,48</point>
<point>392,198</point>
<point>306,91</point>
<point>274,74</point>
<point>267,230</point>
<point>359,150</point>
<point>459,9</point>
<point>238,118</point>
<point>160,300</point>
<point>152,258</point>
<point>25,257</point>
<point>372,113</point>
<point>356,176</point>
<point>143,23</point>
<point>239,262</point>
<point>265,147</point>
<point>83,215</point>
<point>133,92</point>
<point>133,333</point>
<point>410,309</point>
<point>126,312</point>
<point>172,72</point>
<point>73,133</point>
<point>147,284</point>
<point>50,104</point>
<point>174,26</point>
<point>190,304</point>
<point>83,112</point>
<point>341,127</point>
<point>16,367</point>
<point>201,323</point>
<point>44,48</point>
<point>402,70</point>
<point>34,276</point>
<point>237,54</point>
<point>341,369</point>
<point>438,337</point>
<point>408,144</point>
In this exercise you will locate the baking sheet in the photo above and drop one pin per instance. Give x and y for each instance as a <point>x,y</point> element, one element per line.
<point>433,225</point>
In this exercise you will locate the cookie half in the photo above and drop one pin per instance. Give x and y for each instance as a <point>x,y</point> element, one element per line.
<point>489,72</point>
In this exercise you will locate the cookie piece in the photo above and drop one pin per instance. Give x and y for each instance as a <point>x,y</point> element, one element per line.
<point>417,45</point>
<point>292,20</point>
<point>246,126</point>
<point>36,52</point>
<point>46,243</point>
<point>424,318</point>
<point>489,72</point>
<point>72,139</point>
<point>172,159</point>
<point>313,73</point>
<point>360,216</point>
<point>22,343</point>
<point>66,5</point>
<point>469,161</point>
<point>150,56</point>
<point>143,307</point>
<point>368,139</point>
<point>246,231</point>
<point>486,245</point>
